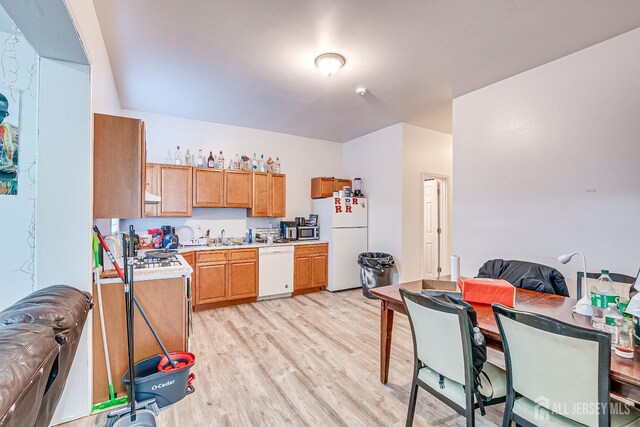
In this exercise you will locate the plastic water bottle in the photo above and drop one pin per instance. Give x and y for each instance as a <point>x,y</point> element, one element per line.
<point>602,294</point>
<point>612,317</point>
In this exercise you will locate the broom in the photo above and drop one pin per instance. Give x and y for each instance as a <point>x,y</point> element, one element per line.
<point>113,401</point>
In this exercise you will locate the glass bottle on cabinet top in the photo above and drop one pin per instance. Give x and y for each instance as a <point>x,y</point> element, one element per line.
<point>220,160</point>
<point>277,168</point>
<point>262,165</point>
<point>178,156</point>
<point>200,159</point>
<point>254,163</point>
<point>211,162</point>
<point>187,158</point>
<point>236,163</point>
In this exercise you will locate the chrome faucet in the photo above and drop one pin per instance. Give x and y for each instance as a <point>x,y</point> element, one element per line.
<point>222,235</point>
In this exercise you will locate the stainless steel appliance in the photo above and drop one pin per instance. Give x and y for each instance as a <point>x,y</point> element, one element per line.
<point>289,230</point>
<point>308,233</point>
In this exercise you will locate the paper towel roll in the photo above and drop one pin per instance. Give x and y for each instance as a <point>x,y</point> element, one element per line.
<point>455,268</point>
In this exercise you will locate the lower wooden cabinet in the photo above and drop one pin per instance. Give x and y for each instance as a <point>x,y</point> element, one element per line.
<point>165,303</point>
<point>310,268</point>
<point>243,279</point>
<point>211,282</point>
<point>225,275</point>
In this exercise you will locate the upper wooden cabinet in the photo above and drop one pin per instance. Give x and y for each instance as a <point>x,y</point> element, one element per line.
<point>175,190</point>
<point>152,187</point>
<point>278,196</point>
<point>339,184</point>
<point>208,188</point>
<point>324,187</point>
<point>119,158</point>
<point>261,192</point>
<point>238,189</point>
<point>269,195</point>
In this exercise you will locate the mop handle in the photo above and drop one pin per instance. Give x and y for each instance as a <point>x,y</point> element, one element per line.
<point>103,328</point>
<point>112,258</point>
<point>153,331</point>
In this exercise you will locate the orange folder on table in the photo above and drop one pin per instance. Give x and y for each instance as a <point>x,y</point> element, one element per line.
<point>487,291</point>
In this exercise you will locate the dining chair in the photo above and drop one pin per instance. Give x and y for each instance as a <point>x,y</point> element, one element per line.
<point>616,277</point>
<point>557,374</point>
<point>443,363</point>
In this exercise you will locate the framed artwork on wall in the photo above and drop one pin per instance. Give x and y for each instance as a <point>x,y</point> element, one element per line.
<point>9,141</point>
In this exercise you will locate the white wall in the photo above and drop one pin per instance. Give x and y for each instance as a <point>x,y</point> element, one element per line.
<point>64,216</point>
<point>17,256</point>
<point>301,159</point>
<point>377,159</point>
<point>424,151</point>
<point>546,162</point>
<point>104,96</point>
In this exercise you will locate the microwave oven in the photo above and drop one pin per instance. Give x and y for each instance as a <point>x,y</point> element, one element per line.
<point>306,232</point>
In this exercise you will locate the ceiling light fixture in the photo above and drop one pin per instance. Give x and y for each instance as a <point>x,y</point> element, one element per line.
<point>330,63</point>
<point>362,91</point>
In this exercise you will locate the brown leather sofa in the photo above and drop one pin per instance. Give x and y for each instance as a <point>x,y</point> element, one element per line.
<point>39,337</point>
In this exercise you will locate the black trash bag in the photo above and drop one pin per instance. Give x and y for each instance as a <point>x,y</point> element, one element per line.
<point>376,271</point>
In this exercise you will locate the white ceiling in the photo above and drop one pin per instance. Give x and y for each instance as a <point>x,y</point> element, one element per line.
<point>250,62</point>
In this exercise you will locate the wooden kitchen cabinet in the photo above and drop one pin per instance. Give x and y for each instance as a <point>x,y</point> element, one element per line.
<point>339,184</point>
<point>238,189</point>
<point>208,188</point>
<point>119,158</point>
<point>278,196</point>
<point>153,187</point>
<point>310,268</point>
<point>302,272</point>
<point>165,303</point>
<point>211,283</point>
<point>226,277</point>
<point>269,195</point>
<point>243,279</point>
<point>324,187</point>
<point>175,190</point>
<point>319,266</point>
<point>261,195</point>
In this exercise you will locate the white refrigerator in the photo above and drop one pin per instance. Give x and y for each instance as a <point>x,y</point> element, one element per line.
<point>343,223</point>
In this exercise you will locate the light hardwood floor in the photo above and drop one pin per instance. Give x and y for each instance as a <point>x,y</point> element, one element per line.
<point>312,360</point>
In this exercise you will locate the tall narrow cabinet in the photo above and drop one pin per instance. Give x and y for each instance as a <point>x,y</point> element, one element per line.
<point>119,166</point>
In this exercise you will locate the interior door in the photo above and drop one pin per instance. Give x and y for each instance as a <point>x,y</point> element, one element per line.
<point>431,227</point>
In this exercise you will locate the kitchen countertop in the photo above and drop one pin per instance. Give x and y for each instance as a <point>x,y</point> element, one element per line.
<point>184,269</point>
<point>184,249</point>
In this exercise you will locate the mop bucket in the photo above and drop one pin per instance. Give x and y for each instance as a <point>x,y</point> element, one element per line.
<point>155,378</point>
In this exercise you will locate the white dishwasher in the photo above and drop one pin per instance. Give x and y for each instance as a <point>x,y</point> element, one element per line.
<point>275,278</point>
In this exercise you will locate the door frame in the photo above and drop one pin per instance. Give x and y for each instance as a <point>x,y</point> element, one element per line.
<point>443,212</point>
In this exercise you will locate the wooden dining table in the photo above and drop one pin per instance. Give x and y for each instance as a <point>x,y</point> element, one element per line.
<point>625,373</point>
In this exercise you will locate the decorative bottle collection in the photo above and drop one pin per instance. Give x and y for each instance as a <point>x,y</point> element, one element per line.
<point>238,162</point>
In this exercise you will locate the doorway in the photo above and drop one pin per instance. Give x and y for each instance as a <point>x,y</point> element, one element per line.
<point>435,230</point>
